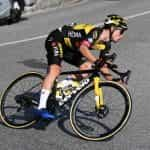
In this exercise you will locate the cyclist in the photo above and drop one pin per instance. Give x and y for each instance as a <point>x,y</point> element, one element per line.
<point>73,43</point>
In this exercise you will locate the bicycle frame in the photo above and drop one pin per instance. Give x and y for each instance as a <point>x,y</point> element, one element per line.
<point>96,79</point>
<point>98,93</point>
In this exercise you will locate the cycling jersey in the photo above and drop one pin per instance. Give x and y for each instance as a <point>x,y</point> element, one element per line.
<point>64,43</point>
<point>78,34</point>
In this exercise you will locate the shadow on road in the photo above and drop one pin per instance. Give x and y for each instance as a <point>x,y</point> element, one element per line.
<point>4,22</point>
<point>34,63</point>
<point>61,125</point>
<point>43,124</point>
<point>1,123</point>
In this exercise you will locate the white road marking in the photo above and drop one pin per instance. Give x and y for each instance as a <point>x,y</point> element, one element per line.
<point>44,36</point>
<point>138,15</point>
<point>22,41</point>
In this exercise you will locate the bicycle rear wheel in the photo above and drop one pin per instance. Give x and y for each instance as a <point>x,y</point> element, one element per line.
<point>90,124</point>
<point>19,99</point>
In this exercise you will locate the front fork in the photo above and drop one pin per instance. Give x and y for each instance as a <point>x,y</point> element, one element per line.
<point>99,99</point>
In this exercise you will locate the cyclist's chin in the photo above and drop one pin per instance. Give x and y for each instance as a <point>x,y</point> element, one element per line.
<point>116,40</point>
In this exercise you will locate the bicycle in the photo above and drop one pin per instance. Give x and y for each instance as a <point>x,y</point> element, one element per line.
<point>94,120</point>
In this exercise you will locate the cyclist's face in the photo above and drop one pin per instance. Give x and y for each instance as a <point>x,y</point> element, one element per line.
<point>117,35</point>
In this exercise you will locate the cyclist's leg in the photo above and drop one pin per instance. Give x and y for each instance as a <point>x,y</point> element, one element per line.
<point>76,59</point>
<point>52,74</point>
<point>54,58</point>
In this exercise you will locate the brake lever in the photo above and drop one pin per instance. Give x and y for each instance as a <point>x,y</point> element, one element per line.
<point>106,57</point>
<point>111,66</point>
<point>113,57</point>
<point>125,76</point>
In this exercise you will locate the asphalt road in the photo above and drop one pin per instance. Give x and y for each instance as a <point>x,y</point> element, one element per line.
<point>22,50</point>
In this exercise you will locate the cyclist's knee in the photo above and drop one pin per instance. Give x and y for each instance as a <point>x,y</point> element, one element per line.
<point>54,70</point>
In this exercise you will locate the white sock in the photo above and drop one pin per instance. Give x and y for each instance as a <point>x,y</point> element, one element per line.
<point>43,98</point>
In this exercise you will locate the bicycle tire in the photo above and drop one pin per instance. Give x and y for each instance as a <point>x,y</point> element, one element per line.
<point>10,101</point>
<point>77,124</point>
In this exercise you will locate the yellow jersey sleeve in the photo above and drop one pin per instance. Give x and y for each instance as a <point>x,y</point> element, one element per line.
<point>101,45</point>
<point>98,46</point>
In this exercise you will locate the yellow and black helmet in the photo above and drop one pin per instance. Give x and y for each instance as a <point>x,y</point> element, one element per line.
<point>115,20</point>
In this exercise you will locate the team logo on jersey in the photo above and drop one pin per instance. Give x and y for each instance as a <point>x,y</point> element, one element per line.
<point>74,34</point>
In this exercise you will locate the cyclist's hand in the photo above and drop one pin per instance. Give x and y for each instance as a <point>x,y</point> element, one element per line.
<point>98,63</point>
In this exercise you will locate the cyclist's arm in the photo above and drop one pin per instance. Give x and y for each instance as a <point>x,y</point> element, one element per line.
<point>86,53</point>
<point>105,70</point>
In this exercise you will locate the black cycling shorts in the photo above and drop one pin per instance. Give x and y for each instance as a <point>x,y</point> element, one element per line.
<point>57,51</point>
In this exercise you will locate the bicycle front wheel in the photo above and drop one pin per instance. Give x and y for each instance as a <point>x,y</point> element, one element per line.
<point>20,98</point>
<point>94,125</point>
